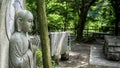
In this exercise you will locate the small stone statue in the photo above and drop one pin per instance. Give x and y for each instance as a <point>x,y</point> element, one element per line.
<point>22,48</point>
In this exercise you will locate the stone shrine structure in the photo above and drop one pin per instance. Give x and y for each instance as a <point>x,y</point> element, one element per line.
<point>60,45</point>
<point>111,47</point>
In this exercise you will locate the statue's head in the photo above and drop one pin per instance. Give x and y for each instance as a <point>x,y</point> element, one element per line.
<point>23,21</point>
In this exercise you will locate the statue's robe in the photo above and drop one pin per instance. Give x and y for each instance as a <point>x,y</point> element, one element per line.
<point>20,53</point>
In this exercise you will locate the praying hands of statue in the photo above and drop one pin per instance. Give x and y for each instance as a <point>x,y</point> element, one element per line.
<point>35,43</point>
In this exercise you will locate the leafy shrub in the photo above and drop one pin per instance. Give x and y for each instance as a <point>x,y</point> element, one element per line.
<point>39,63</point>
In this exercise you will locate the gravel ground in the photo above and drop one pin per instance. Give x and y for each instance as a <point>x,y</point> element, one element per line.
<point>79,57</point>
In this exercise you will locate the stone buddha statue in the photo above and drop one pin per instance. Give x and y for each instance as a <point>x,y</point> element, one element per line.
<point>22,48</point>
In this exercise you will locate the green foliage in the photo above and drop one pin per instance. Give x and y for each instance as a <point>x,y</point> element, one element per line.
<point>56,17</point>
<point>53,64</point>
<point>59,14</point>
<point>39,62</point>
<point>100,15</point>
<point>65,13</point>
<point>55,20</point>
<point>31,6</point>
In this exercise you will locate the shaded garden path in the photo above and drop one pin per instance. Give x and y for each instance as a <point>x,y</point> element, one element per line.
<point>79,57</point>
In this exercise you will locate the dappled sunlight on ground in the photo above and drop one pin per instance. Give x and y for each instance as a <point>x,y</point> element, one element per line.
<point>74,53</point>
<point>79,57</point>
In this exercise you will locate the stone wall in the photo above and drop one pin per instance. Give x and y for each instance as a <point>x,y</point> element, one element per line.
<point>4,43</point>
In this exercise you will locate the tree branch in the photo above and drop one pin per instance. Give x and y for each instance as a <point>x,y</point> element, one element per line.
<point>91,2</point>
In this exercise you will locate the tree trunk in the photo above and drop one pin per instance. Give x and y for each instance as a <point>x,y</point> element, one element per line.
<point>65,24</point>
<point>116,24</point>
<point>82,18</point>
<point>81,24</point>
<point>66,17</point>
<point>45,43</point>
<point>116,7</point>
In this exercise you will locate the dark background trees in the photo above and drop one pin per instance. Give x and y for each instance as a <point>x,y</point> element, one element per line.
<point>116,8</point>
<point>68,14</point>
<point>83,8</point>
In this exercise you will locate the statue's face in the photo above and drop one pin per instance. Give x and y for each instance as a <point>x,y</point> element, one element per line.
<point>28,23</point>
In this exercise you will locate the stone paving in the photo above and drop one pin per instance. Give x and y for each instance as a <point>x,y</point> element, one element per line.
<point>97,57</point>
<point>80,57</point>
